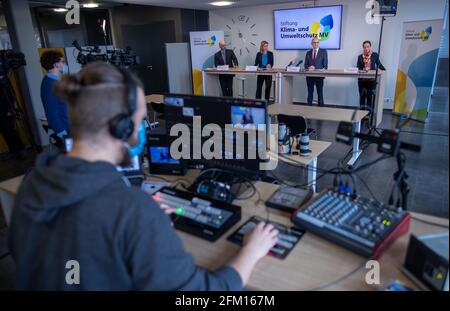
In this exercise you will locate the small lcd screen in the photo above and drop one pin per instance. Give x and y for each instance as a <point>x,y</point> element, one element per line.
<point>161,155</point>
<point>134,166</point>
<point>247,117</point>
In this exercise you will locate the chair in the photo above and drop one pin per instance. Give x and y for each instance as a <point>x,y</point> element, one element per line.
<point>297,124</point>
<point>155,105</point>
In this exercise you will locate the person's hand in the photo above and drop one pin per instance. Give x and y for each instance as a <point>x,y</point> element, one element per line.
<point>166,209</point>
<point>259,242</point>
<point>311,68</point>
<point>269,66</point>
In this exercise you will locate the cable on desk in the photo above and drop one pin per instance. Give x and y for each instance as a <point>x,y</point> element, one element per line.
<point>429,222</point>
<point>338,280</point>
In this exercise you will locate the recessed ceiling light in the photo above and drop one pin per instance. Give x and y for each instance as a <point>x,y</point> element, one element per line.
<point>60,10</point>
<point>90,5</point>
<point>221,3</point>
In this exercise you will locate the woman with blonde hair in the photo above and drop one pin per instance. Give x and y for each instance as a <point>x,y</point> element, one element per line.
<point>264,59</point>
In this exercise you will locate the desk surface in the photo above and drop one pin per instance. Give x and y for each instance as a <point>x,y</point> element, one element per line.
<point>329,72</point>
<point>317,113</point>
<point>311,264</point>
<point>317,147</point>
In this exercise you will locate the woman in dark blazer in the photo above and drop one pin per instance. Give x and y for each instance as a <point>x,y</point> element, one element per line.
<point>369,60</point>
<point>264,59</point>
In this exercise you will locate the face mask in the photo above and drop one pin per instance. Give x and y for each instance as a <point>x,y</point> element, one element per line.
<point>64,70</point>
<point>137,149</point>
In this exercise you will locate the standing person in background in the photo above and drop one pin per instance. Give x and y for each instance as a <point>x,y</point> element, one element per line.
<point>264,59</point>
<point>226,57</point>
<point>55,110</point>
<point>368,60</point>
<point>316,59</point>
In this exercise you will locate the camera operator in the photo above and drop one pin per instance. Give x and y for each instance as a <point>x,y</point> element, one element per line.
<point>55,110</point>
<point>8,130</point>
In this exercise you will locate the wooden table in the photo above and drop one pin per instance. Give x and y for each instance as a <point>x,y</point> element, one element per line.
<point>326,113</point>
<point>317,147</point>
<point>313,262</point>
<point>284,83</point>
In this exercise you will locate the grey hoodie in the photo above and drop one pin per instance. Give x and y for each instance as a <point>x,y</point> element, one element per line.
<point>70,209</point>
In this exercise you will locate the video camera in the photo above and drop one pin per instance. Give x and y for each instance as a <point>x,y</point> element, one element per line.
<point>118,57</point>
<point>10,60</point>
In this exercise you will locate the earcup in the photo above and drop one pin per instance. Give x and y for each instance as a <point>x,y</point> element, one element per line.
<point>121,126</point>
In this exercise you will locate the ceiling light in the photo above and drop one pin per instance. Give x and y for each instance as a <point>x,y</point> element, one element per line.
<point>222,3</point>
<point>60,10</point>
<point>90,5</point>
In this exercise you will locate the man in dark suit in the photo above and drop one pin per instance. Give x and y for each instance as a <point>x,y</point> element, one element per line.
<point>315,59</point>
<point>225,57</point>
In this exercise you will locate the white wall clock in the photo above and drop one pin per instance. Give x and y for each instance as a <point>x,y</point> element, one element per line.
<point>241,35</point>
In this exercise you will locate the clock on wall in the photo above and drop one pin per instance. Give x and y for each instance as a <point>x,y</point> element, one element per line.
<point>241,35</point>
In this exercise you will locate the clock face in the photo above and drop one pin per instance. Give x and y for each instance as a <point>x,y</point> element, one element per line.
<point>241,36</point>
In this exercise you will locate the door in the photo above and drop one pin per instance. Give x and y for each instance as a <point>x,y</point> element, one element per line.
<point>148,41</point>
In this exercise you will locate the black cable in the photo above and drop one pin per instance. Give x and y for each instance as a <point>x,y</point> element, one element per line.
<point>5,255</point>
<point>340,279</point>
<point>429,222</point>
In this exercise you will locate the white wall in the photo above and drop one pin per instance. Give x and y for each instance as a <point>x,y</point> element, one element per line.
<point>354,31</point>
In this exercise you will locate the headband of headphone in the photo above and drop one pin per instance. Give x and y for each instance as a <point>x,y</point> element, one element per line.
<point>122,125</point>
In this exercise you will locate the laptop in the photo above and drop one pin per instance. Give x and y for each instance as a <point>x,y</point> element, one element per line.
<point>133,172</point>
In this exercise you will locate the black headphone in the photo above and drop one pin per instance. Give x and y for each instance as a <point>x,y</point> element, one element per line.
<point>122,125</point>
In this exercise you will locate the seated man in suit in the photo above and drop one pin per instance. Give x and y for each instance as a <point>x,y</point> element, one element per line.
<point>315,59</point>
<point>225,57</point>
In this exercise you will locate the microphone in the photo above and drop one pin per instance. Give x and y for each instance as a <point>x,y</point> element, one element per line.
<point>299,63</point>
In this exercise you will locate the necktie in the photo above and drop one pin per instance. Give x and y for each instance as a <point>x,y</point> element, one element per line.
<point>314,56</point>
<point>224,58</point>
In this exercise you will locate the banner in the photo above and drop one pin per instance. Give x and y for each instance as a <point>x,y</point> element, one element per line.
<point>417,67</point>
<point>204,44</point>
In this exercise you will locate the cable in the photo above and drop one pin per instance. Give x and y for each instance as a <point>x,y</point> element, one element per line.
<point>340,279</point>
<point>429,222</point>
<point>5,255</point>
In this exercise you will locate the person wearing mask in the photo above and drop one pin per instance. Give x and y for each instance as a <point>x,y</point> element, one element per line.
<point>316,59</point>
<point>226,57</point>
<point>77,207</point>
<point>368,60</point>
<point>264,59</point>
<point>55,110</point>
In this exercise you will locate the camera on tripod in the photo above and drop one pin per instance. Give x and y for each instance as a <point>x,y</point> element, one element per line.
<point>119,57</point>
<point>10,60</point>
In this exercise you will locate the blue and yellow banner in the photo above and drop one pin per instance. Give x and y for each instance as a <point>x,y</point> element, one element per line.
<point>417,67</point>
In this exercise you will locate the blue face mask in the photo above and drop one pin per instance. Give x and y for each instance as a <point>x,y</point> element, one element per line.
<point>64,70</point>
<point>137,149</point>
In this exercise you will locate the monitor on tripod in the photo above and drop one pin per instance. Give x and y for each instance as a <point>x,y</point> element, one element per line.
<point>384,8</point>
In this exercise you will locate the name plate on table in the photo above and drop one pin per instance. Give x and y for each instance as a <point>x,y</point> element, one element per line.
<point>251,68</point>
<point>223,68</point>
<point>351,70</point>
<point>293,69</point>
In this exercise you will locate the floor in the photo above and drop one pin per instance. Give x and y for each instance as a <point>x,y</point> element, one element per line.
<point>428,170</point>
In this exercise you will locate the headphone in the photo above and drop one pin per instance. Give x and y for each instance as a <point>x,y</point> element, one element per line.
<point>122,125</point>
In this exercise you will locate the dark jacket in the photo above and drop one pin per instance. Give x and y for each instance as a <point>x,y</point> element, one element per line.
<point>231,59</point>
<point>55,109</point>
<point>321,59</point>
<point>71,209</point>
<point>374,62</point>
<point>258,59</point>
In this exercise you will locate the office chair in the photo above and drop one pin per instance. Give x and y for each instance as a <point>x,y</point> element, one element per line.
<point>297,124</point>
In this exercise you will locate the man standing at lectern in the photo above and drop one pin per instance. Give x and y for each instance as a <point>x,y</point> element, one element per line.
<point>225,57</point>
<point>316,59</point>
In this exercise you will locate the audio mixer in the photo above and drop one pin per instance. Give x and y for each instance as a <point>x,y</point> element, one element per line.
<point>362,225</point>
<point>205,218</point>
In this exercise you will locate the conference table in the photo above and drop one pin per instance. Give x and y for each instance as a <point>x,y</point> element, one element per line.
<point>284,83</point>
<point>313,264</point>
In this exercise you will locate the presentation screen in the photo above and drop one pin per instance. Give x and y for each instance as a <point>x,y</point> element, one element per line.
<point>295,28</point>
